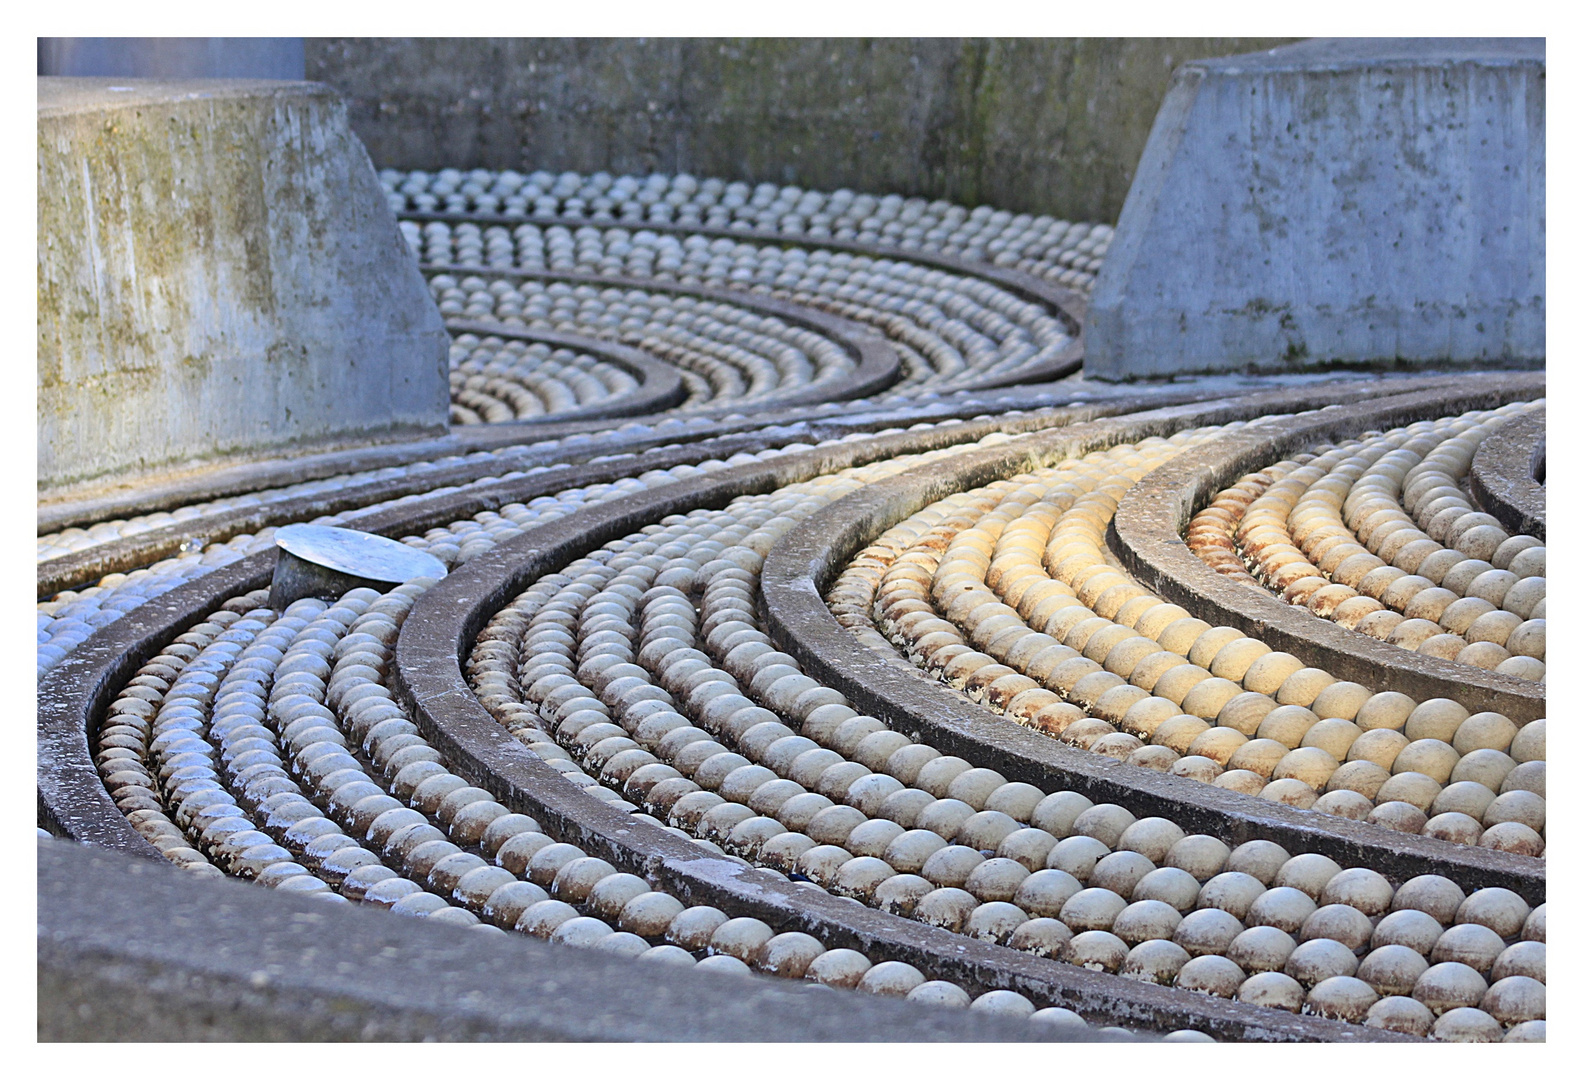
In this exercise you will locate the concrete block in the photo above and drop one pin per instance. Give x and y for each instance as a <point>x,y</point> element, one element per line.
<point>1336,202</point>
<point>218,274</point>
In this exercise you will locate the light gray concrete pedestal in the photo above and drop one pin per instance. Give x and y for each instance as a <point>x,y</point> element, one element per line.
<point>218,274</point>
<point>1369,202</point>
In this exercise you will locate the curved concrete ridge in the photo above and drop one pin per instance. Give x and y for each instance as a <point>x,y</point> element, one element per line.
<point>1070,304</point>
<point>427,678</point>
<point>1146,534</point>
<point>73,696</point>
<point>878,363</point>
<point>661,384</point>
<point>1504,474</point>
<point>720,440</point>
<point>169,492</point>
<point>808,558</point>
<point>132,951</point>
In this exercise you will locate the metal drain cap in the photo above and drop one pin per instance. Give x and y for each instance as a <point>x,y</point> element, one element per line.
<point>325,562</point>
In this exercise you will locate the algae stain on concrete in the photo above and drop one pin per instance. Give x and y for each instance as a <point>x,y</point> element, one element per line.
<point>205,286</point>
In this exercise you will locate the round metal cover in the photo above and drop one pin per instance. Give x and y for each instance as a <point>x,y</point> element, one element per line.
<point>324,561</point>
<point>361,554</point>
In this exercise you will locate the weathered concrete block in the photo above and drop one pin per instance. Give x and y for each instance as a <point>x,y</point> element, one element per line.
<point>218,274</point>
<point>1375,202</point>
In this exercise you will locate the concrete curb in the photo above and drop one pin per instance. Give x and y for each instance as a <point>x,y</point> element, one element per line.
<point>134,951</point>
<point>1147,536</point>
<point>1503,476</point>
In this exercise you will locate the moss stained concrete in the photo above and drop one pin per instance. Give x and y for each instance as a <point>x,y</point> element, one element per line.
<point>218,274</point>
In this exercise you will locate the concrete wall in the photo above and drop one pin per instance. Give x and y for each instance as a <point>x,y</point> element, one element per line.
<point>218,273</point>
<point>1038,125</point>
<point>173,58</point>
<point>1349,202</point>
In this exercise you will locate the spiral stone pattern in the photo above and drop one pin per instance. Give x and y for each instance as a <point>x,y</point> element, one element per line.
<point>987,765</point>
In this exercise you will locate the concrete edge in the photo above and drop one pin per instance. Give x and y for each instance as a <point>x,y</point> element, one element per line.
<point>1503,476</point>
<point>1147,536</point>
<point>1348,54</point>
<point>150,93</point>
<point>133,951</point>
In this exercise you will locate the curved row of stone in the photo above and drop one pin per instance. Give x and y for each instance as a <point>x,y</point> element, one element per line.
<point>453,720</point>
<point>521,879</point>
<point>513,374</point>
<point>68,524</point>
<point>140,558</point>
<point>1058,251</point>
<point>1148,524</point>
<point>588,694</point>
<point>503,516</point>
<point>885,684</point>
<point>955,329</point>
<point>1116,670</point>
<point>126,548</point>
<point>1440,601</point>
<point>479,488</point>
<point>726,353</point>
<point>209,728</point>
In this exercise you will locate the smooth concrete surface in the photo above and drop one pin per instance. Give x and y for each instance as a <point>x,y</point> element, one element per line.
<point>173,58</point>
<point>1371,202</point>
<point>1036,125</point>
<point>218,274</point>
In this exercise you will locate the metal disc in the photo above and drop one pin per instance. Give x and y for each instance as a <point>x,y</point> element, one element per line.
<point>326,562</point>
